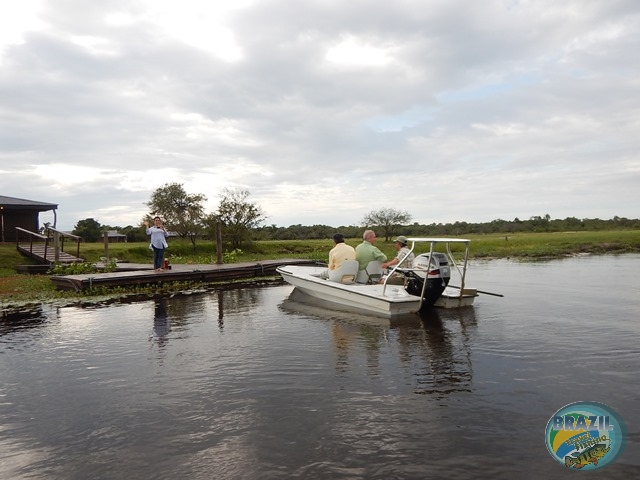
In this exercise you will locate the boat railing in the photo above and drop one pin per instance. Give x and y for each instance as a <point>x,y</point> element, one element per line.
<point>397,265</point>
<point>456,265</point>
<point>432,242</point>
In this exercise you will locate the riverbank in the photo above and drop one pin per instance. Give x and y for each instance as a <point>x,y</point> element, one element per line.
<point>19,288</point>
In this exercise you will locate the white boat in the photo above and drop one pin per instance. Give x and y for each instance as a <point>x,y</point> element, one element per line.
<point>351,289</point>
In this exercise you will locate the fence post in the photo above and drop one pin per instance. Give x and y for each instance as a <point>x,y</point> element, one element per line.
<point>218,243</point>
<point>105,236</point>
<point>56,247</point>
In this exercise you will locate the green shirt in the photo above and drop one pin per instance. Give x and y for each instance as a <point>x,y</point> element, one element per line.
<point>366,252</point>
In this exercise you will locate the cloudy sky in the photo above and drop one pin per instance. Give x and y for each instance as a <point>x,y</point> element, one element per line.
<point>324,110</point>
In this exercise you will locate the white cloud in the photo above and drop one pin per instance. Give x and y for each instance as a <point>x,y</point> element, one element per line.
<point>94,45</point>
<point>352,51</point>
<point>323,110</point>
<point>198,23</point>
<point>17,18</point>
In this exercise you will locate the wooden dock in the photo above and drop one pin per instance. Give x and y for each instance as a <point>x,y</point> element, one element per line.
<point>141,274</point>
<point>46,255</point>
<point>49,248</point>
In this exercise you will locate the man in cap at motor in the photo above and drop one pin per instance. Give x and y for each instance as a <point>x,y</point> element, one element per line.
<point>404,257</point>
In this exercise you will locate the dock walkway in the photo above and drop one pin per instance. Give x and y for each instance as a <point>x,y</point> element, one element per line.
<point>46,255</point>
<point>127,274</point>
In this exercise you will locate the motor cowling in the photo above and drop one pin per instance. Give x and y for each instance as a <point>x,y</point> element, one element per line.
<point>435,271</point>
<point>438,266</point>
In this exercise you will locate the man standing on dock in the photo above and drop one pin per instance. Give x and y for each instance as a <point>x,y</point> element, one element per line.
<point>158,242</point>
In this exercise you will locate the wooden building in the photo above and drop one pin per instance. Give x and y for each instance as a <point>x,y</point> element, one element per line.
<point>116,237</point>
<point>18,212</point>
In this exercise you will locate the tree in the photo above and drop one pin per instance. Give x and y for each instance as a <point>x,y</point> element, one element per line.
<point>238,216</point>
<point>134,234</point>
<point>387,219</point>
<point>181,212</point>
<point>89,229</point>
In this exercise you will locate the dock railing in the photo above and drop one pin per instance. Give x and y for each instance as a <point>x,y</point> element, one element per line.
<point>32,238</point>
<point>59,236</point>
<point>40,245</point>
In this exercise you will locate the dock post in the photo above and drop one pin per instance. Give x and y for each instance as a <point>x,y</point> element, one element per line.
<point>56,247</point>
<point>218,243</point>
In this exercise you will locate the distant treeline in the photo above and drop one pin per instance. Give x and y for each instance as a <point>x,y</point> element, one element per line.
<point>534,224</point>
<point>302,232</point>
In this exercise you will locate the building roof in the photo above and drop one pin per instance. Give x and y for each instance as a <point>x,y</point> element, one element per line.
<point>22,204</point>
<point>115,233</point>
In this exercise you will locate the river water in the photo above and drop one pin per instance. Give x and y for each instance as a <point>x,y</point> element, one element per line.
<point>245,382</point>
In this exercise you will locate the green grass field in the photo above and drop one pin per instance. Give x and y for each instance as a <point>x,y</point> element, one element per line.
<point>525,246</point>
<point>529,245</point>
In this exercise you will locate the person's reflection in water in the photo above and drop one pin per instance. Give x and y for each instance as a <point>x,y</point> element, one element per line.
<point>161,324</point>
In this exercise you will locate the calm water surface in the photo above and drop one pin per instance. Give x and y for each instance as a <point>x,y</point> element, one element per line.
<point>250,383</point>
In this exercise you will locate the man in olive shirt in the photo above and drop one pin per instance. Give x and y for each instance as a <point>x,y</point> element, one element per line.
<point>367,252</point>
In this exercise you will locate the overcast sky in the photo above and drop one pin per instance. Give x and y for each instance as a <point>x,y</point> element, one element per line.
<point>324,110</point>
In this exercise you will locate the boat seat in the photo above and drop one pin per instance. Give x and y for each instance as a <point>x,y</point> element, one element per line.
<point>345,273</point>
<point>371,274</point>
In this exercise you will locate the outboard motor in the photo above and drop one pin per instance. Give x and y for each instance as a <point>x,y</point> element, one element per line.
<point>437,278</point>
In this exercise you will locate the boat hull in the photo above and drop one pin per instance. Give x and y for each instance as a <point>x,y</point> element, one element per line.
<point>389,301</point>
<point>451,298</point>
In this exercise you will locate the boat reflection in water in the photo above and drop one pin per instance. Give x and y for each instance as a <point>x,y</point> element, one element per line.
<point>432,350</point>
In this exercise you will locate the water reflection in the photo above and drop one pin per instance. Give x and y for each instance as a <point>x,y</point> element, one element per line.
<point>161,323</point>
<point>241,299</point>
<point>15,320</point>
<point>220,309</point>
<point>433,348</point>
<point>251,386</point>
<point>170,312</point>
<point>446,353</point>
<point>177,312</point>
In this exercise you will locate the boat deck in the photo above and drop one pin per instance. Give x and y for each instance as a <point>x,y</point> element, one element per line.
<point>127,274</point>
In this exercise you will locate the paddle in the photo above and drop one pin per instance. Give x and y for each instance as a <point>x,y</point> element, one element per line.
<point>480,291</point>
